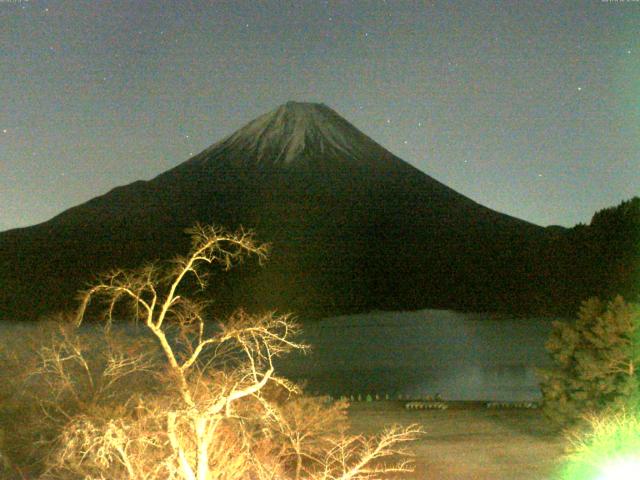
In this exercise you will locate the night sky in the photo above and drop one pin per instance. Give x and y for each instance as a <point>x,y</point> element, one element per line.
<point>530,108</point>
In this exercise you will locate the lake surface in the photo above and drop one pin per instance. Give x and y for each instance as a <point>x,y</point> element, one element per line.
<point>460,356</point>
<point>415,354</point>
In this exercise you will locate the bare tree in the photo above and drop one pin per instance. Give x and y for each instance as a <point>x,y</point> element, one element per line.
<point>224,413</point>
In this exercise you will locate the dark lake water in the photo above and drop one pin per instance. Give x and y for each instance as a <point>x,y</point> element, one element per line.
<point>413,354</point>
<point>416,354</point>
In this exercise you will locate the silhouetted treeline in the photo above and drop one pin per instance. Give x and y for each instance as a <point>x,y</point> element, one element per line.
<point>600,259</point>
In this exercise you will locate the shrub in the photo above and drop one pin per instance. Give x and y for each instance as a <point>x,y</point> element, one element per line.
<point>52,372</point>
<point>608,450</point>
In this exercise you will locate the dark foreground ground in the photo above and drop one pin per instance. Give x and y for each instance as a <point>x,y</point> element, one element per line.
<point>470,443</point>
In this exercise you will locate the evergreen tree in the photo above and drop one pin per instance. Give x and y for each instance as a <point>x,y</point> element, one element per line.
<point>596,359</point>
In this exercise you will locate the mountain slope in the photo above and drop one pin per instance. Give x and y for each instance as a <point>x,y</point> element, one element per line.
<point>353,228</point>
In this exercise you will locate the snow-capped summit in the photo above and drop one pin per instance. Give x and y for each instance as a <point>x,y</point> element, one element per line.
<point>298,134</point>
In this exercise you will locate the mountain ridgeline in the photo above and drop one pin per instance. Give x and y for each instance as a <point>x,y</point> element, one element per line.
<point>353,228</point>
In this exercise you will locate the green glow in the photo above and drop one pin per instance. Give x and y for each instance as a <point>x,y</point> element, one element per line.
<point>610,450</point>
<point>621,469</point>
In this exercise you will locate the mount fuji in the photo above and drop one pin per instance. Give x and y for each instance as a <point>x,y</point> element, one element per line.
<point>353,228</point>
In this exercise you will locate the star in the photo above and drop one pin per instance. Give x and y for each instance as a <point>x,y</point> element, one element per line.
<point>4,130</point>
<point>419,124</point>
<point>579,89</point>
